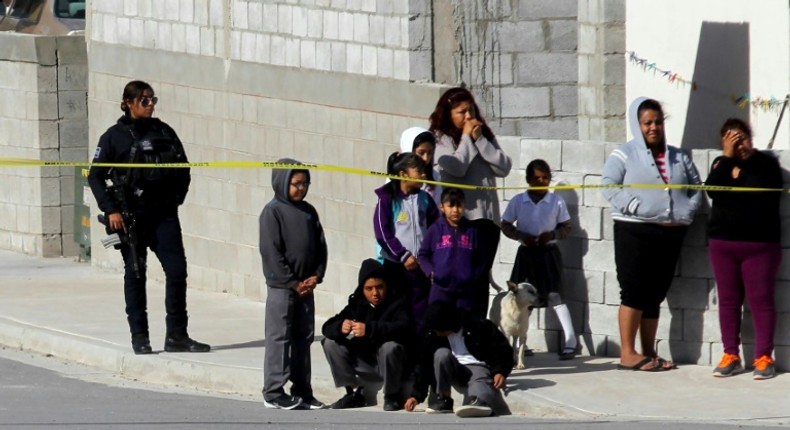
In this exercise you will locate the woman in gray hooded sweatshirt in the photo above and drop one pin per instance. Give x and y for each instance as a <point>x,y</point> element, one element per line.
<point>650,223</point>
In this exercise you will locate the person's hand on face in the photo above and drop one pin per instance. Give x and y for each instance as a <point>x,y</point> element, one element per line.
<point>736,144</point>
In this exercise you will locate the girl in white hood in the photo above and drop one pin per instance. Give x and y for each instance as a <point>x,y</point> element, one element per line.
<point>422,142</point>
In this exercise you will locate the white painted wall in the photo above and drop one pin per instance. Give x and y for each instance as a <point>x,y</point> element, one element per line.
<point>668,33</point>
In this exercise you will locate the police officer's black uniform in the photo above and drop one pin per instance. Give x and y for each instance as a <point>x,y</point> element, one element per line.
<point>152,197</point>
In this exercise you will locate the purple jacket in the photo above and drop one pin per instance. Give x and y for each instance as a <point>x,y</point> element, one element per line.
<point>453,258</point>
<point>400,221</point>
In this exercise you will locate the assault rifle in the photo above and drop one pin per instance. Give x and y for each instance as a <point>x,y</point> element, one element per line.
<point>117,239</point>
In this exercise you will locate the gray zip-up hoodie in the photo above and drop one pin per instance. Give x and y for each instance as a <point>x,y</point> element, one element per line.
<point>633,163</point>
<point>292,243</point>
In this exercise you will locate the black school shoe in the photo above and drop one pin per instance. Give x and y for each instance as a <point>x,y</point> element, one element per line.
<point>392,403</point>
<point>351,400</point>
<point>184,344</point>
<point>141,345</point>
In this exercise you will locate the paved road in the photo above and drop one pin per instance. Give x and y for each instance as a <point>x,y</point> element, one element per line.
<point>38,392</point>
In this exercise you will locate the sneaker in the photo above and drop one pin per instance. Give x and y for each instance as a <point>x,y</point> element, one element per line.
<point>392,404</point>
<point>475,408</point>
<point>351,400</point>
<point>764,368</point>
<point>313,404</point>
<point>729,365</point>
<point>439,404</point>
<point>283,402</point>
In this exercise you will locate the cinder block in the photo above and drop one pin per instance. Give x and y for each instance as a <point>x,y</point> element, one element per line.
<point>345,26</point>
<point>582,156</point>
<point>254,16</point>
<point>201,13</point>
<point>354,58</point>
<point>339,57</point>
<point>392,32</point>
<point>523,102</point>
<point>564,100</point>
<point>614,40</point>
<point>308,54</point>
<point>278,50</point>
<point>683,352</point>
<point>292,52</point>
<point>299,16</point>
<point>263,48</point>
<point>588,38</point>
<point>285,19</point>
<point>614,11</point>
<point>549,128</point>
<point>531,9</point>
<point>694,263</point>
<point>401,57</point>
<point>603,321</point>
<point>547,68</point>
<point>599,256</point>
<point>583,286</point>
<point>562,35</point>
<point>521,36</point>
<point>361,28</point>
<point>588,223</point>
<point>548,150</point>
<point>573,250</point>
<point>270,17</point>
<point>369,60</point>
<point>689,294</point>
<point>593,196</point>
<point>315,23</point>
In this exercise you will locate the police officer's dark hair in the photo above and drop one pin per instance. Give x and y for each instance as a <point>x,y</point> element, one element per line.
<point>132,91</point>
<point>453,197</point>
<point>537,164</point>
<point>401,162</point>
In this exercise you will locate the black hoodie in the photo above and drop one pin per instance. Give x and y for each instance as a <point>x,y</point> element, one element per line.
<point>389,321</point>
<point>292,243</point>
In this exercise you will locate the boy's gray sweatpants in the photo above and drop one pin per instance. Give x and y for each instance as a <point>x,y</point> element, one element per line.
<point>472,380</point>
<point>385,363</point>
<point>290,329</point>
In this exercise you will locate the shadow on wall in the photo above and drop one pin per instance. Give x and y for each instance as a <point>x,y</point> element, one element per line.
<point>721,71</point>
<point>574,289</point>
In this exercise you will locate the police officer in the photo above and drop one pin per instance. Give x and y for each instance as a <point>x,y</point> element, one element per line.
<point>141,204</point>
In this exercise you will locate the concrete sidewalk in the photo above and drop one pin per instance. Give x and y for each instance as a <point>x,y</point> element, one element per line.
<point>71,311</point>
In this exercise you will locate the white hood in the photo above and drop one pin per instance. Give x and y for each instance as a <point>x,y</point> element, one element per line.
<point>408,136</point>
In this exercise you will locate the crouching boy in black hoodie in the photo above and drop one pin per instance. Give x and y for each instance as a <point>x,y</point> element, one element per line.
<point>369,337</point>
<point>465,351</point>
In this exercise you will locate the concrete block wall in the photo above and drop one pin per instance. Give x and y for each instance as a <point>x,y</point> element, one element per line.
<point>385,38</point>
<point>601,57</point>
<point>520,59</point>
<point>688,329</point>
<point>43,116</point>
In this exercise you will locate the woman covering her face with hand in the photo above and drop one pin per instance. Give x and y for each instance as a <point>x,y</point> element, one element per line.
<point>744,234</point>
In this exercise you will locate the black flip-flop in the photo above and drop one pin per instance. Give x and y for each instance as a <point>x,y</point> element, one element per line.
<point>638,366</point>
<point>662,362</point>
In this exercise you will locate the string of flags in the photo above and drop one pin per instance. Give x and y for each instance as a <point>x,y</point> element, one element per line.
<point>767,104</point>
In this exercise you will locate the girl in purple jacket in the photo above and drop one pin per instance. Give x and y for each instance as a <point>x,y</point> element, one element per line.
<point>402,217</point>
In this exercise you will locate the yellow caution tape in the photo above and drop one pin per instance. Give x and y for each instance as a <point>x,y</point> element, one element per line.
<point>24,162</point>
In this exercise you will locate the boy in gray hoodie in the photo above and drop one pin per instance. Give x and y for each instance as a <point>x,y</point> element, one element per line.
<point>294,255</point>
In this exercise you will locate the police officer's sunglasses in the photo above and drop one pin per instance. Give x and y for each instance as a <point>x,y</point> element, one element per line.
<point>145,101</point>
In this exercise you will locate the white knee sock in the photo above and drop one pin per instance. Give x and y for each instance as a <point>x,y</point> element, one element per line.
<point>564,315</point>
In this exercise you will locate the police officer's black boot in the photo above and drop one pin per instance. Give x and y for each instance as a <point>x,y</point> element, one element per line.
<point>141,344</point>
<point>183,343</point>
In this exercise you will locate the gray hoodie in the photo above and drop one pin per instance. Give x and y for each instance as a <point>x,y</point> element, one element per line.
<point>633,163</point>
<point>292,243</point>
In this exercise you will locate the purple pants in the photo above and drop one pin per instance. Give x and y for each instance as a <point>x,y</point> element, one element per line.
<point>746,269</point>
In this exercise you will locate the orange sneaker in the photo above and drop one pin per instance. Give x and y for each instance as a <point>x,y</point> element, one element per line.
<point>764,368</point>
<point>729,365</point>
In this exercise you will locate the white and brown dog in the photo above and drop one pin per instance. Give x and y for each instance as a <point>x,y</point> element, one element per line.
<point>510,311</point>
